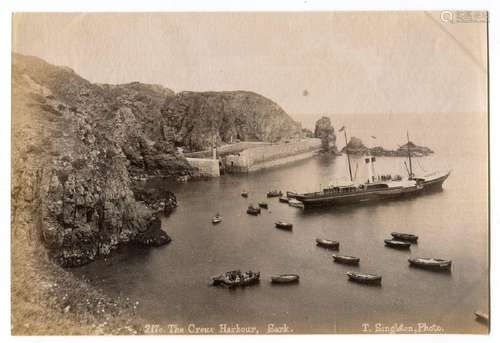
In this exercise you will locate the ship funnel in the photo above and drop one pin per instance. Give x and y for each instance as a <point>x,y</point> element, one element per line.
<point>369,159</point>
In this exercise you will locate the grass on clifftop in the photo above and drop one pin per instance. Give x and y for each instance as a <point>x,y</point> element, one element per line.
<point>49,300</point>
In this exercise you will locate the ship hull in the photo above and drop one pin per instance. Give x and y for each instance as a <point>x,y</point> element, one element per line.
<point>434,184</point>
<point>357,198</point>
<point>427,184</point>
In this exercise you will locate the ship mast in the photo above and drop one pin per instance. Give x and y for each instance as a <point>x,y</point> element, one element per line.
<point>347,152</point>
<point>409,155</point>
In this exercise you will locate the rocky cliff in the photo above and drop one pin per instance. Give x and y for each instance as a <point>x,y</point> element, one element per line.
<point>142,131</point>
<point>195,118</point>
<point>70,177</point>
<point>78,146</point>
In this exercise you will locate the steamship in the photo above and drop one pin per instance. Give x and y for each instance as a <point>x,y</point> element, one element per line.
<point>376,188</point>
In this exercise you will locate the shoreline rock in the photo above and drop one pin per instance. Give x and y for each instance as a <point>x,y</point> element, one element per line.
<point>356,147</point>
<point>157,199</point>
<point>153,236</point>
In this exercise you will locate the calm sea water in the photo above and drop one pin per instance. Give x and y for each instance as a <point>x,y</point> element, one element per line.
<point>171,283</point>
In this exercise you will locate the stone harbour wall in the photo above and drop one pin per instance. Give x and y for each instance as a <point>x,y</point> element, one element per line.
<point>207,167</point>
<point>271,155</point>
<point>281,161</point>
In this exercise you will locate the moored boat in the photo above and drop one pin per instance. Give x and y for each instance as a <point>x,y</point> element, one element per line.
<point>344,259</point>
<point>352,193</point>
<point>236,278</point>
<point>291,195</point>
<point>285,278</point>
<point>249,278</point>
<point>253,210</point>
<point>284,199</point>
<point>283,225</point>
<point>408,237</point>
<point>295,203</point>
<point>377,188</point>
<point>274,193</point>
<point>396,244</point>
<point>263,204</point>
<point>430,263</point>
<point>244,194</point>
<point>365,278</point>
<point>217,219</point>
<point>327,243</point>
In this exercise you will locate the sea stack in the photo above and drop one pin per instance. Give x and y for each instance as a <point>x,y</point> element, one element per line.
<point>325,131</point>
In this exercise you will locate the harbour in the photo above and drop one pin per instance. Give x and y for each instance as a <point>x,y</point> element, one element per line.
<point>252,172</point>
<point>172,283</point>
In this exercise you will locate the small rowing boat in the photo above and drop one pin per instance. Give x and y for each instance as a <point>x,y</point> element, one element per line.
<point>284,199</point>
<point>217,219</point>
<point>327,243</point>
<point>407,237</point>
<point>244,194</point>
<point>396,244</point>
<point>285,278</point>
<point>344,259</point>
<point>263,204</point>
<point>365,278</point>
<point>236,278</point>
<point>253,210</point>
<point>295,203</point>
<point>430,263</point>
<point>283,225</point>
<point>274,193</point>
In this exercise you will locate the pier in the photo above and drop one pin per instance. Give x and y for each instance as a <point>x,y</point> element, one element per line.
<point>207,167</point>
<point>271,155</point>
<point>245,157</point>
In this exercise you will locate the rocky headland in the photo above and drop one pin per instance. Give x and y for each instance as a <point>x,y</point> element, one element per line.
<point>356,147</point>
<point>78,149</point>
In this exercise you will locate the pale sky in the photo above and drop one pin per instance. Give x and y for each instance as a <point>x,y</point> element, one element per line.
<point>349,62</point>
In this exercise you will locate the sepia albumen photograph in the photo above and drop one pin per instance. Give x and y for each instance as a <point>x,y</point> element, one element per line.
<point>215,173</point>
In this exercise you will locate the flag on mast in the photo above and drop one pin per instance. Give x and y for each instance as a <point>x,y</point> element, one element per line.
<point>342,129</point>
